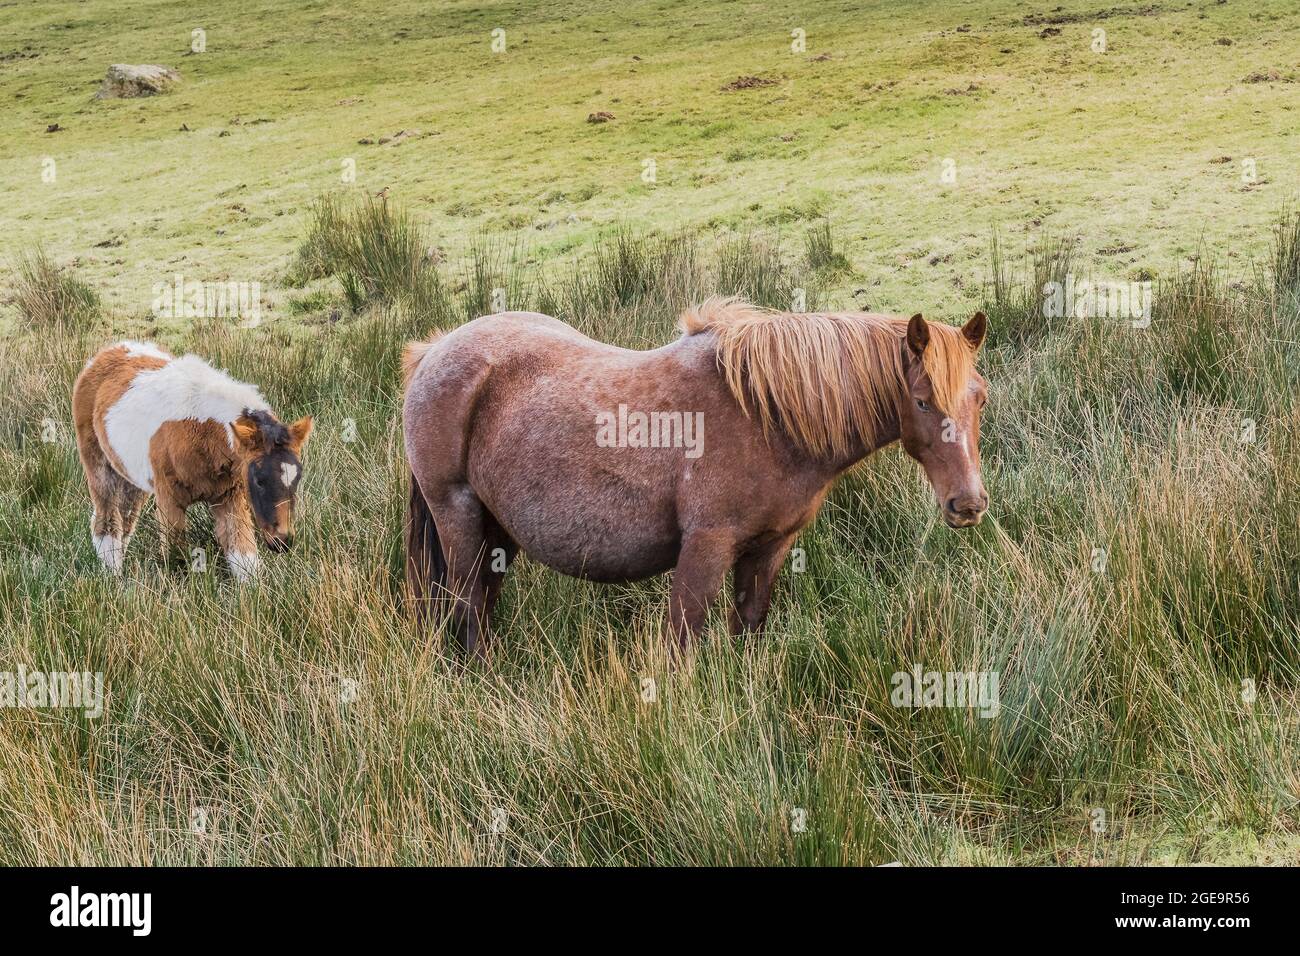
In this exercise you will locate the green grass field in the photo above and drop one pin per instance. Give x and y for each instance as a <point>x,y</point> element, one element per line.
<point>1137,584</point>
<point>1138,151</point>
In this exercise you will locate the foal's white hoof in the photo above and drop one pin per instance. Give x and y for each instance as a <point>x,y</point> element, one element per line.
<point>111,552</point>
<point>243,566</point>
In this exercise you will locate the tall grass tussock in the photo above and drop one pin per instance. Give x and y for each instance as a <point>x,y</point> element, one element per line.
<point>48,296</point>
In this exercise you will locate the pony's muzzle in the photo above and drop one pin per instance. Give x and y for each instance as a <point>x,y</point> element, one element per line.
<point>965,511</point>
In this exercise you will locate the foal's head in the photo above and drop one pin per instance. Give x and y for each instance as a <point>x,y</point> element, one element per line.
<point>269,453</point>
<point>940,414</point>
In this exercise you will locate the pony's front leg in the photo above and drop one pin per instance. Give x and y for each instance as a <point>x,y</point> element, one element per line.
<point>702,566</point>
<point>752,580</point>
<point>233,525</point>
<point>171,522</point>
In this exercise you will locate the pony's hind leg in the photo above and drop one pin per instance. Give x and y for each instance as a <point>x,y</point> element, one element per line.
<point>500,551</point>
<point>106,533</point>
<point>462,525</point>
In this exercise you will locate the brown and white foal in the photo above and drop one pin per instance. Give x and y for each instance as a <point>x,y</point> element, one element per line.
<point>177,428</point>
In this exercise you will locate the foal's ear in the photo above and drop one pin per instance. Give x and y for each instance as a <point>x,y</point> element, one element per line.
<point>918,333</point>
<point>299,432</point>
<point>975,329</point>
<point>248,434</point>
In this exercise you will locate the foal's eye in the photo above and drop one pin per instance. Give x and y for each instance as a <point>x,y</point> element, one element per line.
<point>923,406</point>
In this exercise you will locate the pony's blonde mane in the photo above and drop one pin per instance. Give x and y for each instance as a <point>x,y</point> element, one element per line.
<point>829,381</point>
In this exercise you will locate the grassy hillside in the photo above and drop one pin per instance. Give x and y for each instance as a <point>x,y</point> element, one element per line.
<point>1137,151</point>
<point>1136,586</point>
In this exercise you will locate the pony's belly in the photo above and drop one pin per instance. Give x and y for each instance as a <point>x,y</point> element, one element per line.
<point>615,563</point>
<point>608,545</point>
<point>606,514</point>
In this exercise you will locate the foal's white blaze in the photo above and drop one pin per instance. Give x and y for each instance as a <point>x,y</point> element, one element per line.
<point>243,564</point>
<point>288,473</point>
<point>184,388</point>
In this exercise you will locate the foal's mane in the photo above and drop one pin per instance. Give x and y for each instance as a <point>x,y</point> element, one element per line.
<point>829,381</point>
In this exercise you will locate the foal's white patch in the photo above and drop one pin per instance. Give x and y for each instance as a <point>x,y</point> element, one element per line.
<point>140,349</point>
<point>243,564</point>
<point>184,388</point>
<point>133,350</point>
<point>288,473</point>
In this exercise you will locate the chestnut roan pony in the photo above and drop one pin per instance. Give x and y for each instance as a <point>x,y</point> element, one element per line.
<point>186,432</point>
<point>502,421</point>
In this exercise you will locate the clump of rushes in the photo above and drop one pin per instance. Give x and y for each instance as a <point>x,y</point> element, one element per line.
<point>821,251</point>
<point>48,296</point>
<point>1286,254</point>
<point>1014,302</point>
<point>375,250</point>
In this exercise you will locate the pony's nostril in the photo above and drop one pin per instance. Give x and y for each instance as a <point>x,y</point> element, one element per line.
<point>984,501</point>
<point>951,506</point>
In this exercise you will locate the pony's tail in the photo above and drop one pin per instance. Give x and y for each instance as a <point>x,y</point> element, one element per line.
<point>426,569</point>
<point>413,354</point>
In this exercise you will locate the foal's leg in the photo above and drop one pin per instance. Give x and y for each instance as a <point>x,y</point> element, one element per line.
<point>132,503</point>
<point>171,522</point>
<point>108,492</point>
<point>752,579</point>
<point>233,525</point>
<point>106,529</point>
<point>460,518</point>
<point>701,568</point>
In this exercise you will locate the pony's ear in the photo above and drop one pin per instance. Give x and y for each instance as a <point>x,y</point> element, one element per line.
<point>248,434</point>
<point>918,334</point>
<point>975,329</point>
<point>299,432</point>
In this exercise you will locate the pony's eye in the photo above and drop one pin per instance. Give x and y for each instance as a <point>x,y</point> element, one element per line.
<point>923,406</point>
